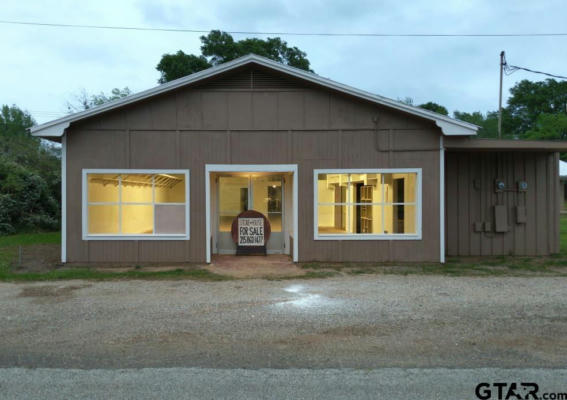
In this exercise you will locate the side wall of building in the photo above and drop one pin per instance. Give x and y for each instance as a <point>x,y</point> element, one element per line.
<point>471,197</point>
<point>225,123</point>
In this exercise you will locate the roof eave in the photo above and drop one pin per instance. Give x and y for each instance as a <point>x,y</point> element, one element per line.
<point>481,144</point>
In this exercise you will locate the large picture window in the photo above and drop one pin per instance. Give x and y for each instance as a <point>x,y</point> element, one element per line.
<point>367,204</point>
<point>135,204</point>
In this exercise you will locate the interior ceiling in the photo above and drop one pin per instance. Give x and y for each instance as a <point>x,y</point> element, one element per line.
<point>250,174</point>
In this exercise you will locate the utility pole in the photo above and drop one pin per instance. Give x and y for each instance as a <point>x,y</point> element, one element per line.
<point>502,63</point>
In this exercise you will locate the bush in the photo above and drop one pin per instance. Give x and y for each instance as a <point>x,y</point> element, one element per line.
<point>26,200</point>
<point>30,178</point>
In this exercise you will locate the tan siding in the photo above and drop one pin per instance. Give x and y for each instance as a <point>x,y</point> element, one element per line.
<point>269,147</point>
<point>189,110</point>
<point>265,108</point>
<point>162,250</point>
<point>211,125</point>
<point>451,210</point>
<point>315,145</point>
<point>317,110</point>
<point>240,114</point>
<point>164,113</point>
<point>467,204</point>
<point>139,116</point>
<point>153,150</point>
<point>215,110</point>
<point>112,251</point>
<point>291,110</point>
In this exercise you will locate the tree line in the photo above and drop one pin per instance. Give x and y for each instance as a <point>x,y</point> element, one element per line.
<point>30,177</point>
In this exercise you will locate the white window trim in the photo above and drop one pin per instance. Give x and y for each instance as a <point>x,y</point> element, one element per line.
<point>367,236</point>
<point>153,236</point>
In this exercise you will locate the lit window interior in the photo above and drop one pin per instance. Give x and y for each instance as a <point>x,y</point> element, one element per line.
<point>366,203</point>
<point>240,193</point>
<point>136,204</point>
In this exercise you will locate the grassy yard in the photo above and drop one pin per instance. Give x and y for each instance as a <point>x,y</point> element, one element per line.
<point>563,234</point>
<point>555,265</point>
<point>9,252</point>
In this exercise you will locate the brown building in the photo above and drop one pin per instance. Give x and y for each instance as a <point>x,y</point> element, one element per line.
<point>339,173</point>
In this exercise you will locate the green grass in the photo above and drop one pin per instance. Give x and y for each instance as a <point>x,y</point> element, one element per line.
<point>30,238</point>
<point>563,234</point>
<point>554,265</point>
<point>9,248</point>
<point>91,274</point>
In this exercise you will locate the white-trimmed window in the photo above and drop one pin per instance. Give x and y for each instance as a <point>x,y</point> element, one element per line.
<point>135,204</point>
<point>354,204</point>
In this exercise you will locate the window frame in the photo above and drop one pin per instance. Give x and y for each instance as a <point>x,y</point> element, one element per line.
<point>153,236</point>
<point>368,236</point>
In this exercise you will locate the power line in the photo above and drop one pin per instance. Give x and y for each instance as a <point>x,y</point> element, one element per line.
<point>187,30</point>
<point>510,69</point>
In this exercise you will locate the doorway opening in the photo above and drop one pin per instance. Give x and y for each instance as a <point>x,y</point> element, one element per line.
<point>268,189</point>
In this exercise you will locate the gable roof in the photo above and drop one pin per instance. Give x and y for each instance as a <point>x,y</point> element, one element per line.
<point>449,126</point>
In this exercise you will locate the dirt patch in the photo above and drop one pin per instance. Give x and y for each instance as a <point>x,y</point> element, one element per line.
<point>339,333</point>
<point>358,331</point>
<point>272,266</point>
<point>37,258</point>
<point>161,338</point>
<point>50,291</point>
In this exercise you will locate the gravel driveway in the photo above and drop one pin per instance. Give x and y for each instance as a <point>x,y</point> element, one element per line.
<point>349,322</point>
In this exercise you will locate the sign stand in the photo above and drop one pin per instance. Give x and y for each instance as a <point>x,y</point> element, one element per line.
<point>251,231</point>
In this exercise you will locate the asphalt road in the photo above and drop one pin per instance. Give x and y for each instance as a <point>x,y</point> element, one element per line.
<point>329,384</point>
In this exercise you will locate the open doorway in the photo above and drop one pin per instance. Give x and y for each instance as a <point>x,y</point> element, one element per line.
<point>268,189</point>
<point>238,192</point>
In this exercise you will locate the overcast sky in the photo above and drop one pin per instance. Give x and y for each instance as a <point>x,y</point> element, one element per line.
<point>42,68</point>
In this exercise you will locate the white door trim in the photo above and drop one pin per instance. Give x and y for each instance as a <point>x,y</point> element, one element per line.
<point>441,200</point>
<point>64,198</point>
<point>249,168</point>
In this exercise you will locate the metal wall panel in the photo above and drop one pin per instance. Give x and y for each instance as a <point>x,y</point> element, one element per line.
<point>471,197</point>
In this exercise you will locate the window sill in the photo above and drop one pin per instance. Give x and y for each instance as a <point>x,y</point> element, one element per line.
<point>137,237</point>
<point>362,236</point>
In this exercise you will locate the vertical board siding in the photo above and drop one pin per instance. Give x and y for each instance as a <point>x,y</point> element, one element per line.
<point>309,127</point>
<point>467,203</point>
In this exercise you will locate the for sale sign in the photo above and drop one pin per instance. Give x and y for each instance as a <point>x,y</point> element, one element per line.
<point>251,231</point>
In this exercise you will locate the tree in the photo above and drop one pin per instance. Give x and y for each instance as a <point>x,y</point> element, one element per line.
<point>488,123</point>
<point>178,65</point>
<point>530,99</point>
<point>219,47</point>
<point>549,127</point>
<point>29,176</point>
<point>431,106</point>
<point>84,101</point>
<point>407,100</point>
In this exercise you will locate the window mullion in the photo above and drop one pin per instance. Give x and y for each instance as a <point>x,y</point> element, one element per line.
<point>154,203</point>
<point>349,222</point>
<point>383,202</point>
